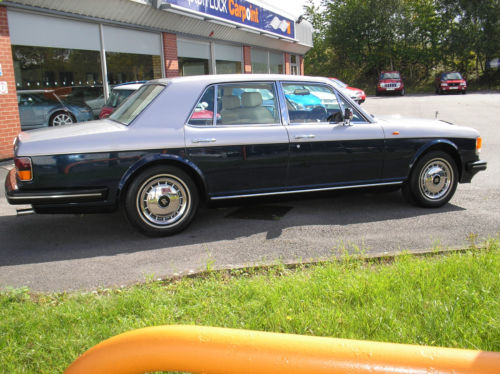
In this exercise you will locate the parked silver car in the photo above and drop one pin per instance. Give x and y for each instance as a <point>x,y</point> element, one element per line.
<point>176,141</point>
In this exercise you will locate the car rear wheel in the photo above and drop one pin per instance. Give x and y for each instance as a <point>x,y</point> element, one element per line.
<point>61,118</point>
<point>402,92</point>
<point>433,180</point>
<point>161,201</point>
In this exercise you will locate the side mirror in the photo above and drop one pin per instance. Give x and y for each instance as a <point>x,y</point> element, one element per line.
<point>348,116</point>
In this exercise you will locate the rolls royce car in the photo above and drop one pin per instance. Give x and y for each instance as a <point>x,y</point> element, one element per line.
<point>156,158</point>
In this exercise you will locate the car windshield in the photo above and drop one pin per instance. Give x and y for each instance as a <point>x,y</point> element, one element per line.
<point>391,75</point>
<point>117,96</point>
<point>135,104</point>
<point>449,76</point>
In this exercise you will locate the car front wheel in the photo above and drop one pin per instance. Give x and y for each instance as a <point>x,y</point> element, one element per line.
<point>433,180</point>
<point>161,201</point>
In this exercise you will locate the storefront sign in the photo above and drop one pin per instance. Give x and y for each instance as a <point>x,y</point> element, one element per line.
<point>240,12</point>
<point>4,90</point>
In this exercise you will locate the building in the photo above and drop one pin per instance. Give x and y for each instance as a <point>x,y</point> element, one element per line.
<point>81,48</point>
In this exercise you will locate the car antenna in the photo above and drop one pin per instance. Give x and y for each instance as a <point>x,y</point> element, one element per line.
<point>436,115</point>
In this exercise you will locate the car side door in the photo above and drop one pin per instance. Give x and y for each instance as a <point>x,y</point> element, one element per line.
<point>325,152</point>
<point>236,138</point>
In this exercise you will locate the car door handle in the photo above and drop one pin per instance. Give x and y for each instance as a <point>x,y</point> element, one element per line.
<point>207,140</point>
<point>309,136</point>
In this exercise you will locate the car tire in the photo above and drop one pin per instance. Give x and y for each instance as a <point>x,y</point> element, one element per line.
<point>464,92</point>
<point>433,180</point>
<point>61,118</point>
<point>161,201</point>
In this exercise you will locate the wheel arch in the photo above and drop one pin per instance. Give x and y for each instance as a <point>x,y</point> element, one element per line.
<point>439,145</point>
<point>162,159</point>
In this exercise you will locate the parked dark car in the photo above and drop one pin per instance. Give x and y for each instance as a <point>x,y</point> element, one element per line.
<point>39,108</point>
<point>157,157</point>
<point>451,82</point>
<point>390,82</point>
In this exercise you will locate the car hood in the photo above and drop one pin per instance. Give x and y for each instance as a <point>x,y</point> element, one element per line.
<point>68,139</point>
<point>397,127</point>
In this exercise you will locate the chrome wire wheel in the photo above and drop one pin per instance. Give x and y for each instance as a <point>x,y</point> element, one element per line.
<point>163,201</point>
<point>61,119</point>
<point>436,179</point>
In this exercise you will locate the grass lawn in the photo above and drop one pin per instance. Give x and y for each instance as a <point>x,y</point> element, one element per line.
<point>450,300</point>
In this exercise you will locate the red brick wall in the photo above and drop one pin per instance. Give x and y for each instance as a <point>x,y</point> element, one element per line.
<point>247,60</point>
<point>301,65</point>
<point>9,113</point>
<point>170,53</point>
<point>287,63</point>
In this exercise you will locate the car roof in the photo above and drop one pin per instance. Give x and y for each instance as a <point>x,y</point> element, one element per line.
<point>234,78</point>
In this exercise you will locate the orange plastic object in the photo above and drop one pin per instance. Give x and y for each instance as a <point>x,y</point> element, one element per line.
<point>479,143</point>
<point>217,350</point>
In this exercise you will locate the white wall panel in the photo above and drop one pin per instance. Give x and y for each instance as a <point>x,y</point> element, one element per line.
<point>45,31</point>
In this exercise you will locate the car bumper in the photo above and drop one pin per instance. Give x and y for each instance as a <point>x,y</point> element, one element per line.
<point>453,88</point>
<point>471,169</point>
<point>15,196</point>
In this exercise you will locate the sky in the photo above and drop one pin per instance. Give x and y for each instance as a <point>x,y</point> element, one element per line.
<point>294,7</point>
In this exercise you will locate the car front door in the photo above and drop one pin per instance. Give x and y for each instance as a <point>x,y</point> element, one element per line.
<point>324,152</point>
<point>236,138</point>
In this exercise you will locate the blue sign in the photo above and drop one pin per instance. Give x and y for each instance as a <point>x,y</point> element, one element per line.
<point>241,12</point>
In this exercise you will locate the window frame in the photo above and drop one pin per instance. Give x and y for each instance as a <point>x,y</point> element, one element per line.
<point>340,98</point>
<point>240,83</point>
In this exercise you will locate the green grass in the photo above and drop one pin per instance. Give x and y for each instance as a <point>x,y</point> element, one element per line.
<point>450,300</point>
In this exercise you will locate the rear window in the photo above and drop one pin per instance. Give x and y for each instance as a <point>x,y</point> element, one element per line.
<point>117,96</point>
<point>136,103</point>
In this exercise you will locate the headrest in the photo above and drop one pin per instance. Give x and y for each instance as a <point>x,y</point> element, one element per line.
<point>251,99</point>
<point>230,102</point>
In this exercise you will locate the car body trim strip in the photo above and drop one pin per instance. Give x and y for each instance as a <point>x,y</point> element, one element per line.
<point>308,190</point>
<point>55,197</point>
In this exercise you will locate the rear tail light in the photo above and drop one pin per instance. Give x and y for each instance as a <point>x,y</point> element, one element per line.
<point>479,144</point>
<point>24,168</point>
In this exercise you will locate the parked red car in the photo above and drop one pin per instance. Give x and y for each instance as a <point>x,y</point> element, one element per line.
<point>357,93</point>
<point>390,82</point>
<point>450,82</point>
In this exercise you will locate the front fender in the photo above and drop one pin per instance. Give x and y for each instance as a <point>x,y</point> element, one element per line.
<point>438,144</point>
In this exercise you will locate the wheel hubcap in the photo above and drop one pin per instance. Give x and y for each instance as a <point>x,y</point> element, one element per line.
<point>163,200</point>
<point>436,179</point>
<point>62,119</point>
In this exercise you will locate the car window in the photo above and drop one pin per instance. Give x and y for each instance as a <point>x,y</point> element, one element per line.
<point>357,116</point>
<point>247,104</point>
<point>310,103</point>
<point>136,103</point>
<point>203,113</point>
<point>117,96</point>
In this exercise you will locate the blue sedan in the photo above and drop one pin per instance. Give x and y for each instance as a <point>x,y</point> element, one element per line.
<point>39,108</point>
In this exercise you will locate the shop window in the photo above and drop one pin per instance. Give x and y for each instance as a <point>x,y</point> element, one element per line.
<point>228,67</point>
<point>130,67</point>
<point>192,66</point>
<point>64,80</point>
<point>276,63</point>
<point>260,61</point>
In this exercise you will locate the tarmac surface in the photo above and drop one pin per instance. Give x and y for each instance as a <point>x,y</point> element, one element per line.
<point>84,252</point>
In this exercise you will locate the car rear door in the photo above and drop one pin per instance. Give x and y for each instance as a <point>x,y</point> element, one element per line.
<point>323,152</point>
<point>236,138</point>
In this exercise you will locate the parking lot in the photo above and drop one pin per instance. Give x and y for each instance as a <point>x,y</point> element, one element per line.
<point>59,252</point>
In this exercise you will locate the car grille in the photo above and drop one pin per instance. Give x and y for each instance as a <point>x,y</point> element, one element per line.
<point>392,85</point>
<point>453,84</point>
